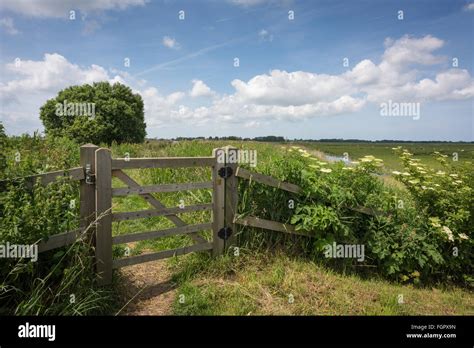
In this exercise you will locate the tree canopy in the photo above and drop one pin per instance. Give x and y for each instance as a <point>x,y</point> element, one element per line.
<point>97,113</point>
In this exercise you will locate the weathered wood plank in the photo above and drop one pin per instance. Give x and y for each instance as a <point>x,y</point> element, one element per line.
<point>253,221</point>
<point>87,191</point>
<point>76,173</point>
<point>161,188</point>
<point>163,162</point>
<point>160,255</point>
<point>134,237</point>
<point>218,210</point>
<point>103,192</point>
<point>59,240</point>
<point>155,203</point>
<point>231,198</point>
<point>267,180</point>
<point>159,212</point>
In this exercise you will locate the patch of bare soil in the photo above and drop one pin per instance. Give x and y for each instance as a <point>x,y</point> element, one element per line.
<point>146,289</point>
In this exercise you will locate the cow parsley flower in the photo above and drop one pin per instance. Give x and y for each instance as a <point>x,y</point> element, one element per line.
<point>449,233</point>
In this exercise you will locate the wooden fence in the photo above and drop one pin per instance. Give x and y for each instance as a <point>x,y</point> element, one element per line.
<point>96,216</point>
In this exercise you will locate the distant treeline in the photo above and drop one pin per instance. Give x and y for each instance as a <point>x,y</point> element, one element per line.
<point>279,139</point>
<point>270,138</point>
<point>378,141</point>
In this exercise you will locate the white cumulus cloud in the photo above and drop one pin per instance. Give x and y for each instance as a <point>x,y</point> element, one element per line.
<point>276,95</point>
<point>49,75</point>
<point>34,82</point>
<point>200,89</point>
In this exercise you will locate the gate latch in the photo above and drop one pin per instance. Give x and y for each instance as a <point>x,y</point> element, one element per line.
<point>224,233</point>
<point>90,177</point>
<point>225,172</point>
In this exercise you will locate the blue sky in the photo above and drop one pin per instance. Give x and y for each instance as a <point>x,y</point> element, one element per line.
<point>291,80</point>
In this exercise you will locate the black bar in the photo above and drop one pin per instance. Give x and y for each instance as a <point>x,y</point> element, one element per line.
<point>207,331</point>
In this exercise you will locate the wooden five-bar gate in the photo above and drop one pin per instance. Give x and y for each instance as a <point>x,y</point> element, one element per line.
<point>106,168</point>
<point>96,216</point>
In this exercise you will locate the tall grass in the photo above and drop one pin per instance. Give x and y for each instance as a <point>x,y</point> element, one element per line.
<point>62,281</point>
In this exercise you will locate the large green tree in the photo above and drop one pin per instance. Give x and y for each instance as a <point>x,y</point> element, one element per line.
<point>97,113</point>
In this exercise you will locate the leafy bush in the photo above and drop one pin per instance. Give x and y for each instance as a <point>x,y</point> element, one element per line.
<point>108,113</point>
<point>409,234</point>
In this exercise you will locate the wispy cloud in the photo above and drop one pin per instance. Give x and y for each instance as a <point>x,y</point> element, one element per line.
<point>264,35</point>
<point>170,42</point>
<point>9,26</point>
<point>249,3</point>
<point>186,57</point>
<point>469,7</point>
<point>60,9</point>
<point>90,27</point>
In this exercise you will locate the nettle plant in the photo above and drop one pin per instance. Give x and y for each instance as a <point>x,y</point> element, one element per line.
<point>31,214</point>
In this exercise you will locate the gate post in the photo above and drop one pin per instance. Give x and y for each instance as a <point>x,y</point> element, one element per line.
<point>87,191</point>
<point>231,195</point>
<point>103,196</point>
<point>217,203</point>
<point>224,198</point>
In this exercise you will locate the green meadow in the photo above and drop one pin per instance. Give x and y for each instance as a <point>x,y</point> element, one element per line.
<point>272,273</point>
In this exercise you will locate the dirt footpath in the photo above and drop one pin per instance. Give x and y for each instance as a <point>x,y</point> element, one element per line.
<point>146,289</point>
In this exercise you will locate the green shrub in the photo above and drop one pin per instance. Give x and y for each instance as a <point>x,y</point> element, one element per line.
<point>29,214</point>
<point>446,197</point>
<point>409,234</point>
<point>113,113</point>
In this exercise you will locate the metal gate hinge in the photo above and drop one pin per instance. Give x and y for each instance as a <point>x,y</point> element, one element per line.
<point>90,177</point>
<point>225,172</point>
<point>224,233</point>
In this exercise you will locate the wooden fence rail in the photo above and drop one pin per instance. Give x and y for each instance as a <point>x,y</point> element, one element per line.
<point>162,188</point>
<point>266,180</point>
<point>254,221</point>
<point>60,240</point>
<point>134,237</point>
<point>160,212</point>
<point>46,178</point>
<point>163,162</point>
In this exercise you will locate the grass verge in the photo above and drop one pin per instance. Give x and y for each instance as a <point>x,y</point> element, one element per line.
<point>276,284</point>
